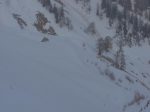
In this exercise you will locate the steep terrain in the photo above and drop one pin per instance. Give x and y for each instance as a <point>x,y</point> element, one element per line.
<point>71,59</point>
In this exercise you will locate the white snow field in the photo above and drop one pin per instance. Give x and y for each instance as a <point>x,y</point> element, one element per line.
<point>65,74</point>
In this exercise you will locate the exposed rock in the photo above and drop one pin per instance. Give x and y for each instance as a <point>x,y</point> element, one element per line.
<point>51,31</point>
<point>45,39</point>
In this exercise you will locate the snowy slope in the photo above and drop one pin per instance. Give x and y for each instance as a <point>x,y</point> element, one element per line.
<point>64,74</point>
<point>38,77</point>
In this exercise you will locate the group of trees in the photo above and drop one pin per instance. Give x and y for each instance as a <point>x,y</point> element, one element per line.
<point>104,45</point>
<point>59,13</point>
<point>141,5</point>
<point>130,25</point>
<point>133,29</point>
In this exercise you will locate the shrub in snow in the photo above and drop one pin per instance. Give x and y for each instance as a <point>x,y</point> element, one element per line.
<point>137,98</point>
<point>40,22</point>
<point>110,74</point>
<point>91,29</point>
<point>129,79</point>
<point>66,22</point>
<point>100,46</point>
<point>120,59</point>
<point>108,43</point>
<point>20,21</point>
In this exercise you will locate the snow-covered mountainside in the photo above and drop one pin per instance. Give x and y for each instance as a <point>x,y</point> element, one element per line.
<point>74,56</point>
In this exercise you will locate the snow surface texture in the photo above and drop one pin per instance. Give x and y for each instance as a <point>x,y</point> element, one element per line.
<point>64,74</point>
